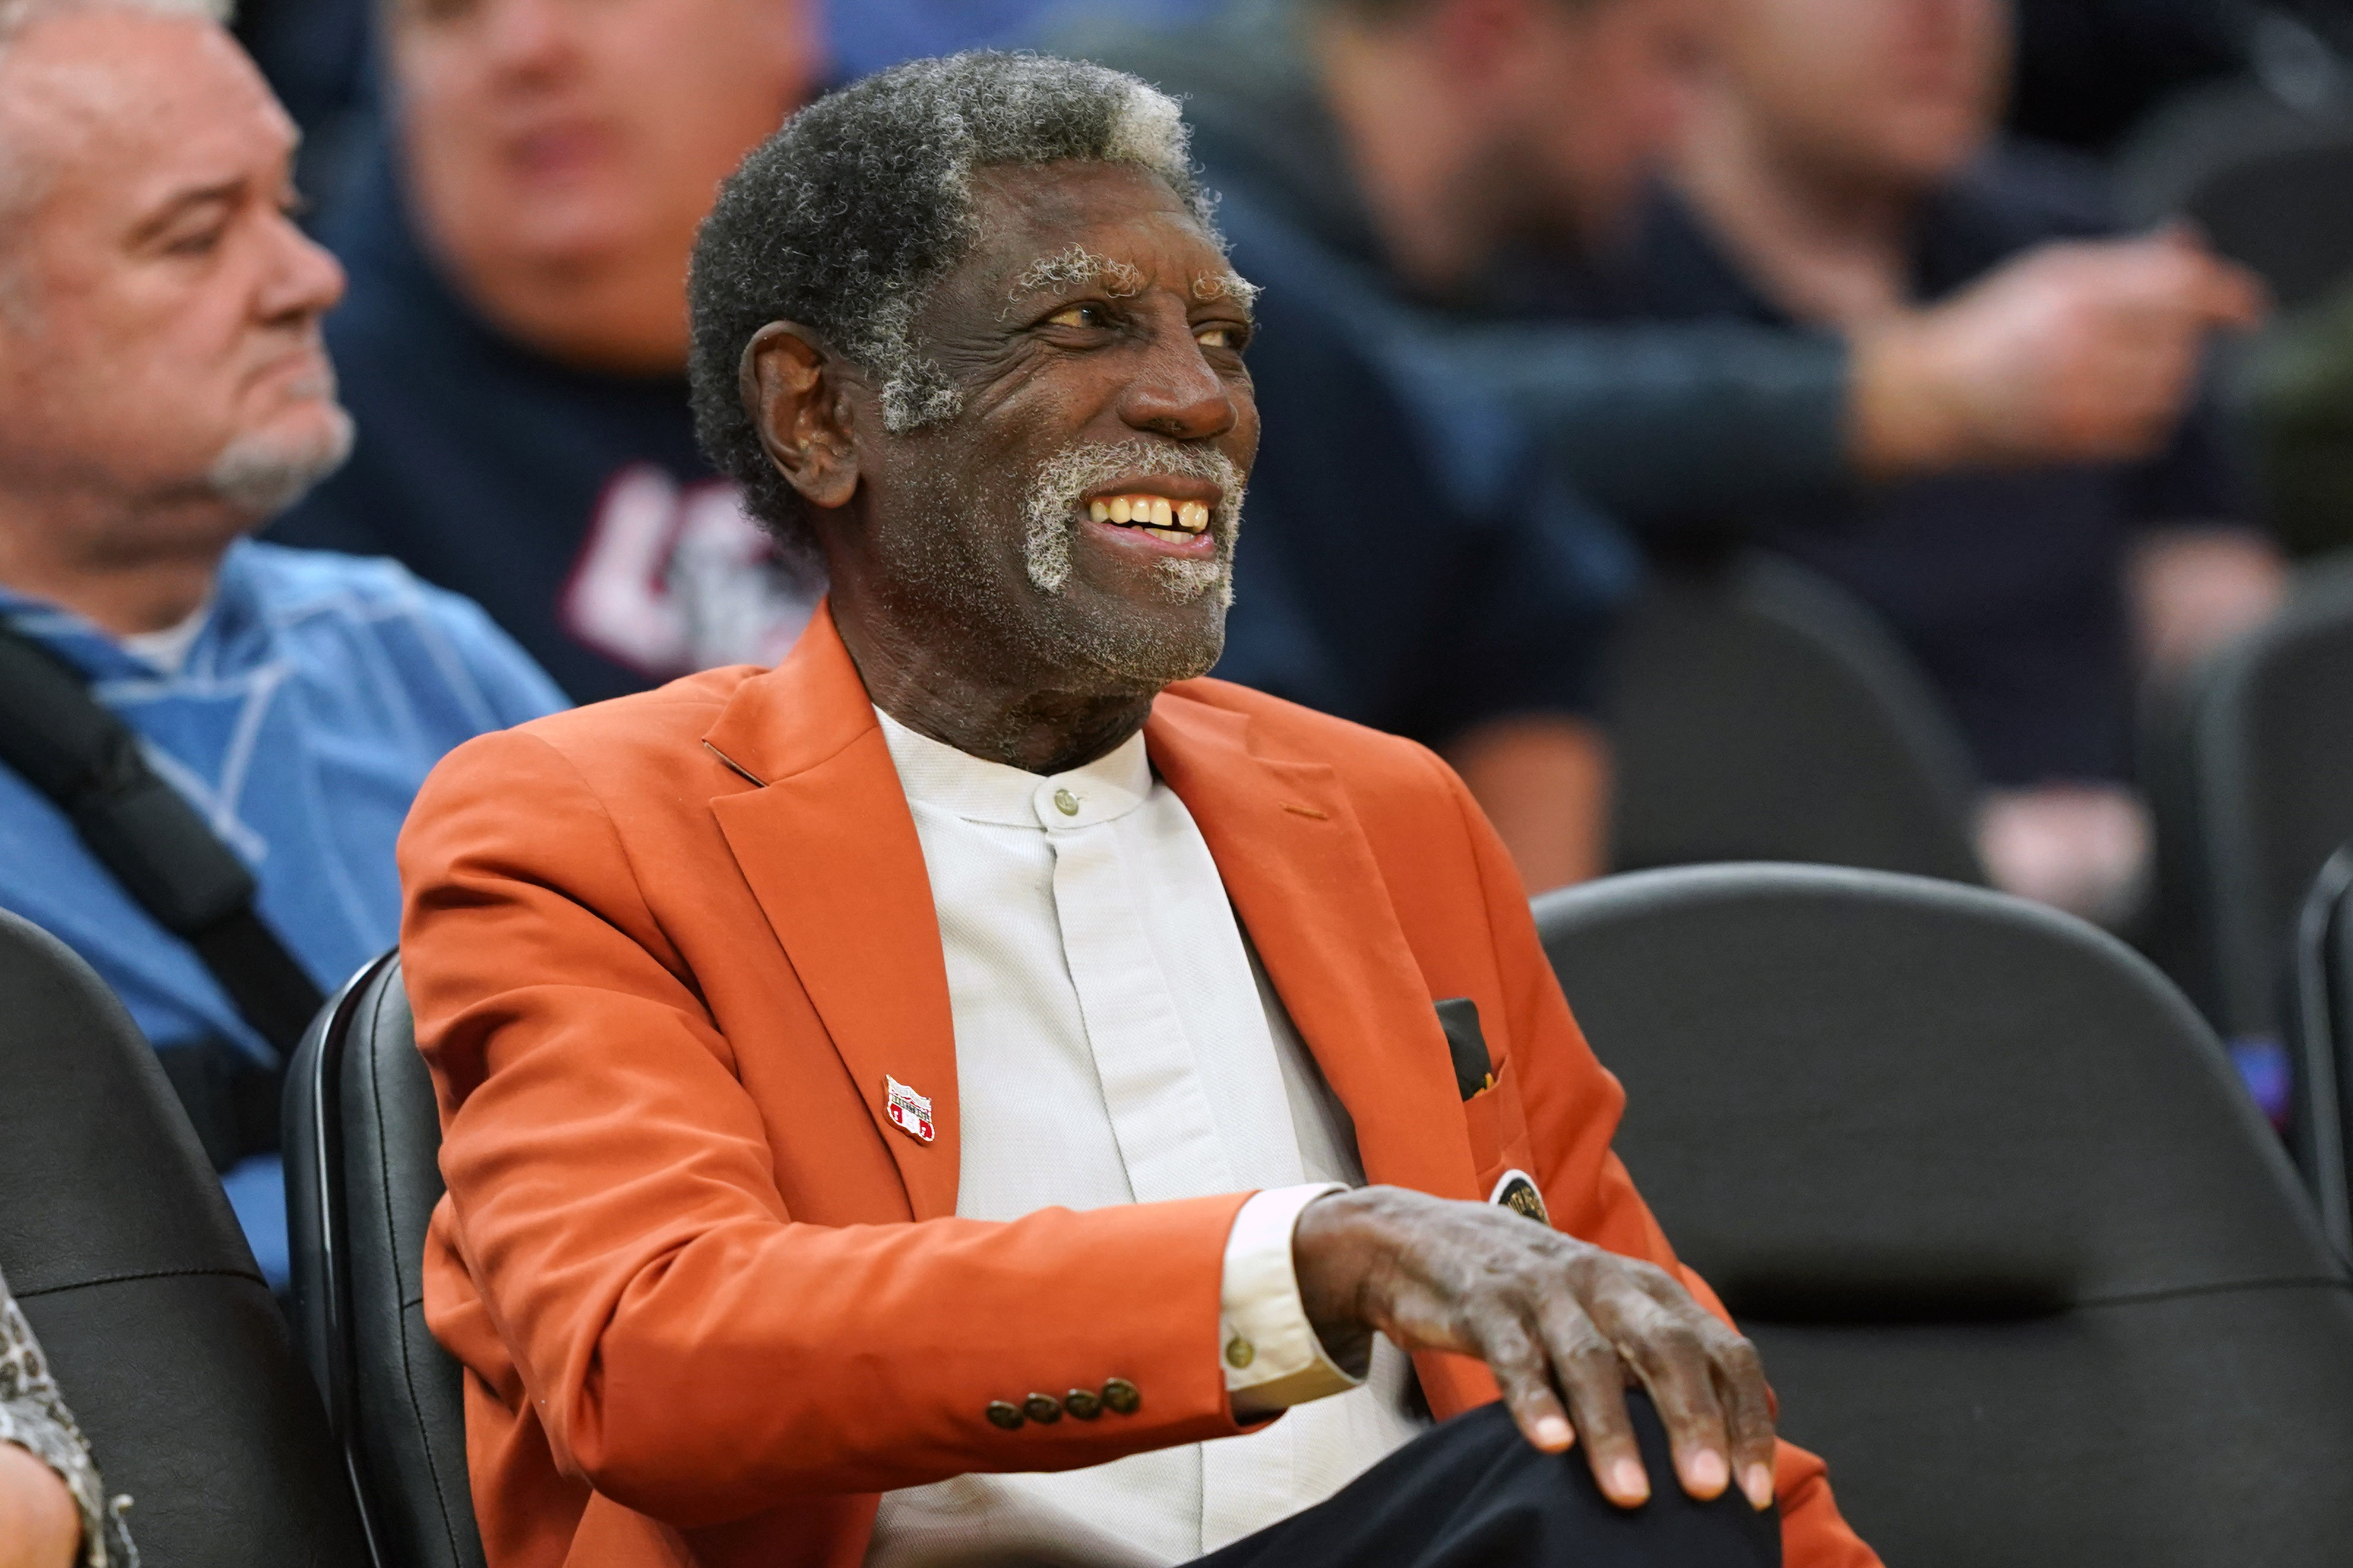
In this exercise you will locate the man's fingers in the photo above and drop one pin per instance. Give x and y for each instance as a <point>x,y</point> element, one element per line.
<point>1665,1349</point>
<point>1749,1418</point>
<point>1593,1377</point>
<point>1522,1374</point>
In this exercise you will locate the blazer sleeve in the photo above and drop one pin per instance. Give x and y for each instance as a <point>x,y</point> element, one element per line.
<point>1573,1105</point>
<point>689,1347</point>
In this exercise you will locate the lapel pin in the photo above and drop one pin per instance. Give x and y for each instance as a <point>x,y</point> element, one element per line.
<point>910,1112</point>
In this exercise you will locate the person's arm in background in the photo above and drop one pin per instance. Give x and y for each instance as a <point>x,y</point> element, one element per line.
<point>54,1511</point>
<point>2078,352</point>
<point>1544,781</point>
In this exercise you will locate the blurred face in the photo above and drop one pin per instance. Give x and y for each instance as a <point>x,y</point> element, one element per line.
<point>560,152</point>
<point>1894,92</point>
<point>1601,90</point>
<point>1071,526</point>
<point>159,330</point>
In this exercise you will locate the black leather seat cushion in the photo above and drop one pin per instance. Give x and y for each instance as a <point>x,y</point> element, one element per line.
<point>2024,1263</point>
<point>118,1242</point>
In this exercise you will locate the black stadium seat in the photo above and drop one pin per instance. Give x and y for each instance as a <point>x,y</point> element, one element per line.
<point>118,1242</point>
<point>2320,1030</point>
<point>2253,779</point>
<point>1762,713</point>
<point>2024,1262</point>
<point>363,1174</point>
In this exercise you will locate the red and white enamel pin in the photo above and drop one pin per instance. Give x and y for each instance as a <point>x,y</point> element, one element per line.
<point>910,1112</point>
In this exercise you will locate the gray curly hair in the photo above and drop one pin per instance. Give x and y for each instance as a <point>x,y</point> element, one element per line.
<point>847,216</point>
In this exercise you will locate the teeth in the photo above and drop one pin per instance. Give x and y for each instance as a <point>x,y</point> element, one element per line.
<point>1171,536</point>
<point>1158,514</point>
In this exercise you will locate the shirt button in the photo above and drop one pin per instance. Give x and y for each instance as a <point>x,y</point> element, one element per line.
<point>1066,803</point>
<point>1003,1414</point>
<point>1082,1404</point>
<point>1122,1396</point>
<point>1239,1352</point>
<point>1043,1408</point>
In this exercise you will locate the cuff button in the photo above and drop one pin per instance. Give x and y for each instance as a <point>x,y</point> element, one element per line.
<point>1239,1352</point>
<point>1122,1396</point>
<point>1003,1414</point>
<point>1082,1404</point>
<point>1043,1408</point>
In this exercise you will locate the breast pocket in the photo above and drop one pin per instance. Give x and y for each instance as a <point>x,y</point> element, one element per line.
<point>1499,1130</point>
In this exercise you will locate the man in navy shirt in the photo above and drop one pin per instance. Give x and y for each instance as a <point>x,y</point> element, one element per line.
<point>1838,175</point>
<point>514,347</point>
<point>162,390</point>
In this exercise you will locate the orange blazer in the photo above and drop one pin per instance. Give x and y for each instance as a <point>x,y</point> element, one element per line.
<point>664,951</point>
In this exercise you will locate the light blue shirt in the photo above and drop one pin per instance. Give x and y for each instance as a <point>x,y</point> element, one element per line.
<point>317,695</point>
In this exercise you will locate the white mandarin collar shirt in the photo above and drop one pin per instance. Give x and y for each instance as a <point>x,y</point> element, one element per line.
<point>1117,1042</point>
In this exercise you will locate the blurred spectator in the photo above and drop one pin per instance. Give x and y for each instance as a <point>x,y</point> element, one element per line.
<point>54,1510</point>
<point>515,340</point>
<point>1838,176</point>
<point>163,389</point>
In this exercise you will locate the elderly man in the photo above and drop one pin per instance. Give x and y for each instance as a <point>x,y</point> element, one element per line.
<point>914,1105</point>
<point>515,344</point>
<point>163,392</point>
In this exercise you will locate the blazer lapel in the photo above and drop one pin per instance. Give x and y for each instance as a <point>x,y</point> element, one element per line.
<point>1303,878</point>
<point>828,847</point>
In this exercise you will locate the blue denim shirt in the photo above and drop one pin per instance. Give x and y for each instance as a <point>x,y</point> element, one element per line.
<point>320,691</point>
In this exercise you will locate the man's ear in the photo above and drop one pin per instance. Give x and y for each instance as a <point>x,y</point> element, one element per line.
<point>794,389</point>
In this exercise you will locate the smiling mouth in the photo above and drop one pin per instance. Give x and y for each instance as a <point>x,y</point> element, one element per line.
<point>1174,522</point>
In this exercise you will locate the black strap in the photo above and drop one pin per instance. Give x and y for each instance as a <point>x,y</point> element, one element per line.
<point>69,747</point>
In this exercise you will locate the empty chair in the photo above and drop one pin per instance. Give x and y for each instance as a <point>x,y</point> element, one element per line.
<point>1765,714</point>
<point>2024,1264</point>
<point>363,1174</point>
<point>120,1245</point>
<point>2252,780</point>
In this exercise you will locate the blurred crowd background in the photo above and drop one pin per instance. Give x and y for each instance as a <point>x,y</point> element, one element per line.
<point>1835,430</point>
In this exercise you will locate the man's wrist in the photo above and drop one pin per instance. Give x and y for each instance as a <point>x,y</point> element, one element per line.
<point>1898,421</point>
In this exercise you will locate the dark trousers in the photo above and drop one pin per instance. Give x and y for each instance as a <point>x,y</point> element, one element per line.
<point>1472,1493</point>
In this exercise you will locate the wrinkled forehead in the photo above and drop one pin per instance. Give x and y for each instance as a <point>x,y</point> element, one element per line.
<point>1115,228</point>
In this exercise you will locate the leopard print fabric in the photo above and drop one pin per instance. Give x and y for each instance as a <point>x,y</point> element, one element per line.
<point>34,1416</point>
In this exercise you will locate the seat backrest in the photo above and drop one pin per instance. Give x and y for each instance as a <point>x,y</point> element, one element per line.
<point>2024,1264</point>
<point>2254,791</point>
<point>1765,714</point>
<point>363,1144</point>
<point>2320,1034</point>
<point>2286,211</point>
<point>116,1240</point>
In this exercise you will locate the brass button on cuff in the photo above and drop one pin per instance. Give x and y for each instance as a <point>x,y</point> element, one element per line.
<point>1043,1408</point>
<point>1003,1414</point>
<point>1239,1352</point>
<point>1066,803</point>
<point>1122,1396</point>
<point>1082,1404</point>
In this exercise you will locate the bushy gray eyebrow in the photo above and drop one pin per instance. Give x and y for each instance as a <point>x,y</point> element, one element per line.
<point>1076,266</point>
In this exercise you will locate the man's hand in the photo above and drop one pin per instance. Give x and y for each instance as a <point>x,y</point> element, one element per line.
<point>1552,1316</point>
<point>2073,352</point>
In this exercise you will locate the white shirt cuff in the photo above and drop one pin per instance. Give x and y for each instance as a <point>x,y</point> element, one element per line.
<point>1271,1357</point>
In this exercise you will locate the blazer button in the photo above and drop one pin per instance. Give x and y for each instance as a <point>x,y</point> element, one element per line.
<point>1006,1415</point>
<point>1042,1409</point>
<point>1082,1404</point>
<point>1122,1396</point>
